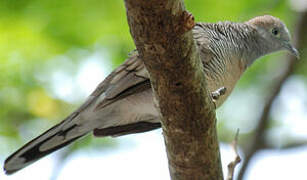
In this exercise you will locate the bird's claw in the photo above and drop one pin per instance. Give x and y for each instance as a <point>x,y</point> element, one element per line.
<point>219,92</point>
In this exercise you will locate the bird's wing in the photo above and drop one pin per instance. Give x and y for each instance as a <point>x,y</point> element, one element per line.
<point>128,78</point>
<point>132,75</point>
<point>132,78</point>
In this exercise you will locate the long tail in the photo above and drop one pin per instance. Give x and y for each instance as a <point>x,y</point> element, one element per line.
<point>53,139</point>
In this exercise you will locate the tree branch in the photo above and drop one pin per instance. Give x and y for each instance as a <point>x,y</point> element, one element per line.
<point>258,139</point>
<point>161,32</point>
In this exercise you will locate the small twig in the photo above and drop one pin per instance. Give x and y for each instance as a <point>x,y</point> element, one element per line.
<point>232,165</point>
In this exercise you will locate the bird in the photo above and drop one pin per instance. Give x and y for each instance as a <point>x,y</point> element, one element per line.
<point>123,104</point>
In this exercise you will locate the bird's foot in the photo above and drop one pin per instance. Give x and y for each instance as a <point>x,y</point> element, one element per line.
<point>218,93</point>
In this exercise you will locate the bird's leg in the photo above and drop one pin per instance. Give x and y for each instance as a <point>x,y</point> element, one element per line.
<point>219,92</point>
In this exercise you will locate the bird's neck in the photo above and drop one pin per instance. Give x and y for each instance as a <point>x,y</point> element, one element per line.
<point>233,41</point>
<point>255,45</point>
<point>238,39</point>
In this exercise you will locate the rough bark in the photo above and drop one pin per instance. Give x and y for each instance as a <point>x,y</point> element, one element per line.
<point>258,140</point>
<point>161,32</point>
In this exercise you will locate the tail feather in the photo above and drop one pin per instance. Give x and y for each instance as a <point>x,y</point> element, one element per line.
<point>50,141</point>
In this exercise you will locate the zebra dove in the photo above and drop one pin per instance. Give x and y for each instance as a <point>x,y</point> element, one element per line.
<point>123,103</point>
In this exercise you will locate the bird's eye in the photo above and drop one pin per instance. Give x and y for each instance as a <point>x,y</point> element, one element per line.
<point>275,31</point>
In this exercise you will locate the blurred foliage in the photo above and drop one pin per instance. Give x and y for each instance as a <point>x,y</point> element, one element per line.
<point>33,33</point>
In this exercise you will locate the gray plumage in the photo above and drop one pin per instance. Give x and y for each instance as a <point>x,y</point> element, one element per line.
<point>123,102</point>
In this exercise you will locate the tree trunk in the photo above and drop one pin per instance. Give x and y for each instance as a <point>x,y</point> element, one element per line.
<point>161,30</point>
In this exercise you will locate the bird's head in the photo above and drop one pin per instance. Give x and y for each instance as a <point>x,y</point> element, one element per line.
<point>275,33</point>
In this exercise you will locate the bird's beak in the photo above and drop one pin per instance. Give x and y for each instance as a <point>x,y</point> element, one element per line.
<point>288,46</point>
